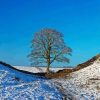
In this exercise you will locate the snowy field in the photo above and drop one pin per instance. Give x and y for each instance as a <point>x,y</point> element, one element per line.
<point>36,69</point>
<point>80,85</point>
<point>15,85</point>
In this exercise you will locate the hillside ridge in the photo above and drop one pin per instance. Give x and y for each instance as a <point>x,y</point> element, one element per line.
<point>87,63</point>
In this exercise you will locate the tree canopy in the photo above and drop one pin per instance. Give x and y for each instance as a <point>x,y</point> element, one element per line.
<point>48,46</point>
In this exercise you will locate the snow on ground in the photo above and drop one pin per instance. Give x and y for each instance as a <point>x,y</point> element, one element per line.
<point>31,69</point>
<point>15,85</point>
<point>37,90</point>
<point>80,85</point>
<point>36,69</point>
<point>83,84</point>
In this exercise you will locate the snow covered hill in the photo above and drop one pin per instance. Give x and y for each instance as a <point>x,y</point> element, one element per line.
<point>17,85</point>
<point>84,75</point>
<point>83,84</point>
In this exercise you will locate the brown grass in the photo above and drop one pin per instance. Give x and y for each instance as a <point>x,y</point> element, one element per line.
<point>60,74</point>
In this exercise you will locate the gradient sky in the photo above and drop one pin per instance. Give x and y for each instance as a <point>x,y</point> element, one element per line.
<point>78,20</point>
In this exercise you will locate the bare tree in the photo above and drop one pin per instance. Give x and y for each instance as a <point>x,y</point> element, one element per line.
<point>48,46</point>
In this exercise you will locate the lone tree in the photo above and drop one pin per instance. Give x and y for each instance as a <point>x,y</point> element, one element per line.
<point>48,46</point>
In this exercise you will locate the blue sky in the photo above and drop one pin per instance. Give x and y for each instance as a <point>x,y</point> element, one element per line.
<point>78,20</point>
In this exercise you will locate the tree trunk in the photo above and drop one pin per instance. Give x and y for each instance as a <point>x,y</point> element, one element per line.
<point>48,61</point>
<point>47,70</point>
<point>48,57</point>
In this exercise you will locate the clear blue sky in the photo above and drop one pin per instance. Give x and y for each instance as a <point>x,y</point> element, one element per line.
<point>78,20</point>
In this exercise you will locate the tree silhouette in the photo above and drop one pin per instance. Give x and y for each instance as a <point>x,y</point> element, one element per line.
<point>48,46</point>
